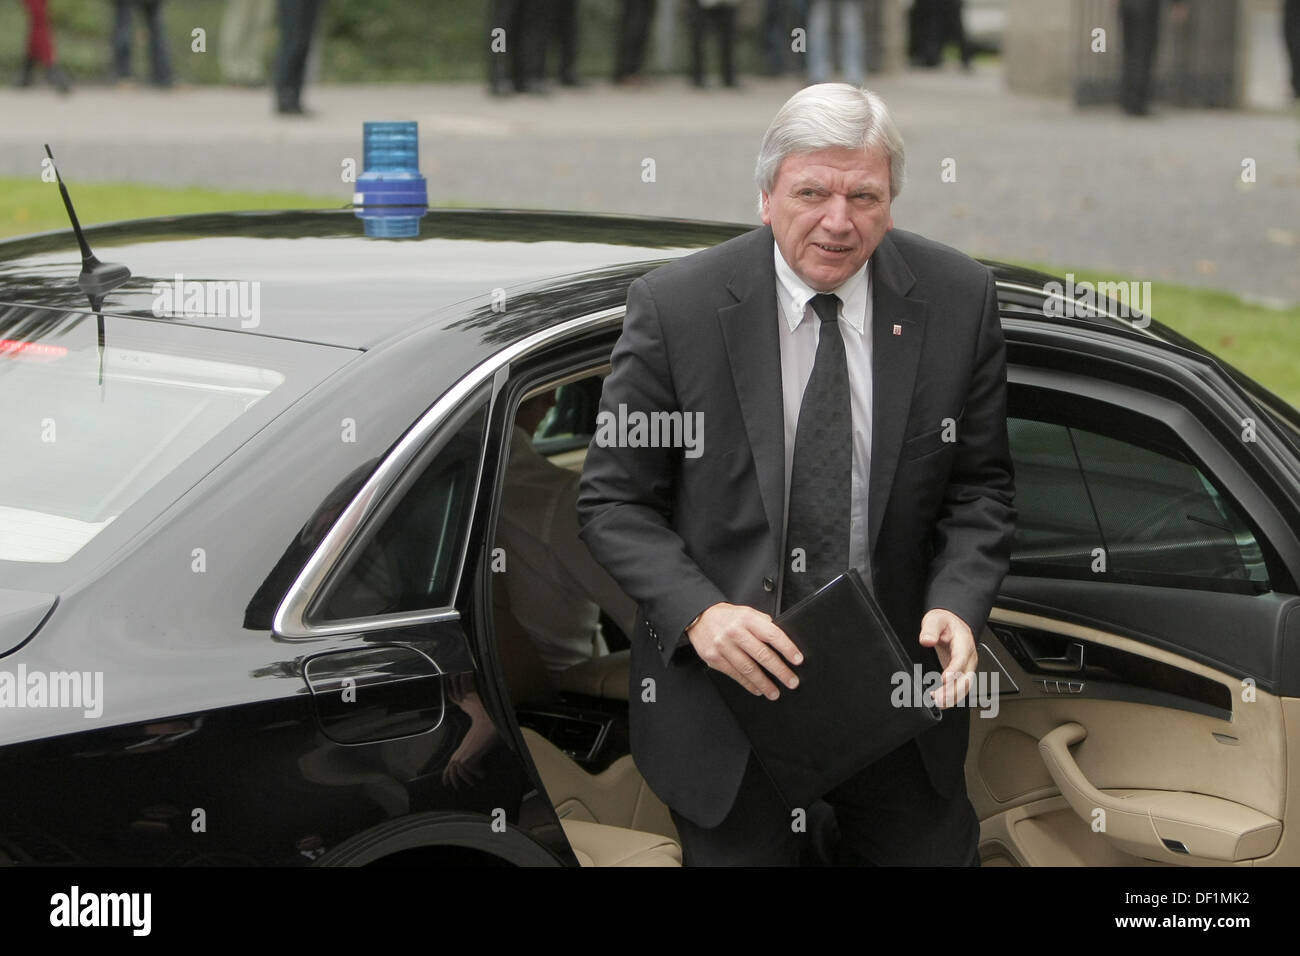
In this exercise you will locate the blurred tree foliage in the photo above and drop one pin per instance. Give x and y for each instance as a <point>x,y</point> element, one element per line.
<point>363,40</point>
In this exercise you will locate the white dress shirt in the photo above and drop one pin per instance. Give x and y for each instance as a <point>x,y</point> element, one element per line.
<point>799,328</point>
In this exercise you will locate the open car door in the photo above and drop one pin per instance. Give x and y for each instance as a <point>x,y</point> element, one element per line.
<point>1144,646</point>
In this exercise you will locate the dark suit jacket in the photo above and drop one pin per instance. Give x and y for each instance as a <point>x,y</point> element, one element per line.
<point>680,534</point>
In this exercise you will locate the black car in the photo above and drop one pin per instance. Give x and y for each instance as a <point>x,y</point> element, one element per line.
<point>249,599</point>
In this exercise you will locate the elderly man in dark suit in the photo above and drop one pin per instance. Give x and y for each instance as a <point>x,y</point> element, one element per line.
<point>852,381</point>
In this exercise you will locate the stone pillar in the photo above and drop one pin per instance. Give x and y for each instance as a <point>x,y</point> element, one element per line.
<point>1038,47</point>
<point>1048,49</point>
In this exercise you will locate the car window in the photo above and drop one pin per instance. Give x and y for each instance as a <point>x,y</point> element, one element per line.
<point>1139,511</point>
<point>96,423</point>
<point>571,422</point>
<point>408,557</point>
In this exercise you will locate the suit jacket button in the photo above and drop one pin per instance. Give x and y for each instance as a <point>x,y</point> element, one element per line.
<point>769,585</point>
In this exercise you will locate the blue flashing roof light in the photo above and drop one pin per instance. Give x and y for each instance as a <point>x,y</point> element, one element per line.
<point>391,195</point>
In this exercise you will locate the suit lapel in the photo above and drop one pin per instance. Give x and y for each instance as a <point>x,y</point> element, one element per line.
<point>749,329</point>
<point>895,356</point>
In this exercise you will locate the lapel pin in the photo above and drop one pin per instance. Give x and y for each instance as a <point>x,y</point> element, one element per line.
<point>898,330</point>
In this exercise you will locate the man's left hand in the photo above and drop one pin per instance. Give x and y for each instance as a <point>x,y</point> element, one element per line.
<point>952,639</point>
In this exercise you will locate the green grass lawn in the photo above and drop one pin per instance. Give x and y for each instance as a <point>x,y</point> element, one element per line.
<point>29,205</point>
<point>1262,342</point>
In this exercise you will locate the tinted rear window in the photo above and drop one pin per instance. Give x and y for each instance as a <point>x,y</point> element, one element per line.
<point>90,426</point>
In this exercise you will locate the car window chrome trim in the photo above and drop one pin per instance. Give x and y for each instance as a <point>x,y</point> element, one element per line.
<point>1063,298</point>
<point>1237,382</point>
<point>290,621</point>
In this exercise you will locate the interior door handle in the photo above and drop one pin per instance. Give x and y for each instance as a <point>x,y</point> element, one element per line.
<point>1070,663</point>
<point>1168,825</point>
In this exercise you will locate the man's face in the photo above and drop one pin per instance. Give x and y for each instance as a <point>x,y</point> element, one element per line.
<point>829,210</point>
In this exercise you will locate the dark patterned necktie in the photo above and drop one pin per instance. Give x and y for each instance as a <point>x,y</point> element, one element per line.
<point>822,473</point>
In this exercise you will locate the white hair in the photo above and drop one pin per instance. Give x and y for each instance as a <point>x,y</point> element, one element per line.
<point>827,115</point>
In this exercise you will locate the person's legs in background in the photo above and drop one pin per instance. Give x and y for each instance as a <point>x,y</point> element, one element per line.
<point>645,13</point>
<point>564,30</point>
<point>780,18</point>
<point>819,41</point>
<point>40,48</point>
<point>1139,21</point>
<point>122,40</point>
<point>774,37</point>
<point>720,21</point>
<point>297,20</point>
<point>725,24</point>
<point>851,39</point>
<point>160,61</point>
<point>928,23</point>
<point>955,29</point>
<point>532,26</point>
<point>502,15</point>
<point>40,43</point>
<point>622,42</point>
<point>633,33</point>
<point>310,19</point>
<point>283,76</point>
<point>698,27</point>
<point>1291,29</point>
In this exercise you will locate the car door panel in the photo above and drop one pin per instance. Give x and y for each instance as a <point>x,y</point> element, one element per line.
<point>1148,625</point>
<point>1246,635</point>
<point>1225,774</point>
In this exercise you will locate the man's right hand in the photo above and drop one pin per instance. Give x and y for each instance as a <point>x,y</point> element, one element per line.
<point>743,643</point>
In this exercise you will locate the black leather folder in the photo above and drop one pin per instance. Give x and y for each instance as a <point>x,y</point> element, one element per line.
<point>843,715</point>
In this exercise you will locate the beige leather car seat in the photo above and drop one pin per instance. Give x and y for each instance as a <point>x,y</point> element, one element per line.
<point>617,796</point>
<point>598,845</point>
<point>611,818</point>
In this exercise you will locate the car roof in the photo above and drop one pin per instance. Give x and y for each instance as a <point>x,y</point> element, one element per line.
<point>497,274</point>
<point>320,279</point>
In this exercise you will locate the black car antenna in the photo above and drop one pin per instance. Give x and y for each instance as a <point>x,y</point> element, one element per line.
<point>97,278</point>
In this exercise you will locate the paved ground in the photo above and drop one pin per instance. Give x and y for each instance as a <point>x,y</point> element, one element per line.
<point>1036,179</point>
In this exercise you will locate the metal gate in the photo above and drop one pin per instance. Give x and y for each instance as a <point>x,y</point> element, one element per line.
<point>1197,62</point>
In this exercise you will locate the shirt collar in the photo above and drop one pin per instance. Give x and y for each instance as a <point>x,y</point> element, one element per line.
<point>795,294</point>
